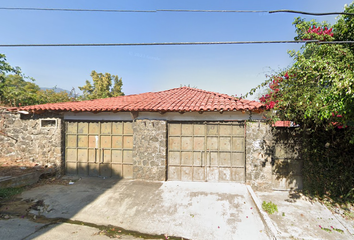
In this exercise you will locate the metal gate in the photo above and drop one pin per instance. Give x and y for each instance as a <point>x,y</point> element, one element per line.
<point>212,152</point>
<point>99,149</point>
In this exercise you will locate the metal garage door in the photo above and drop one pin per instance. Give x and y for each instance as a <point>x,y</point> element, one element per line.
<point>99,149</point>
<point>212,152</point>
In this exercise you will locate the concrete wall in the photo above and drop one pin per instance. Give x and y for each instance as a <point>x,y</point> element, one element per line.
<point>259,144</point>
<point>149,151</point>
<point>23,138</point>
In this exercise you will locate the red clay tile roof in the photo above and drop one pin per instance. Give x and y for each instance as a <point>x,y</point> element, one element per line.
<point>182,99</point>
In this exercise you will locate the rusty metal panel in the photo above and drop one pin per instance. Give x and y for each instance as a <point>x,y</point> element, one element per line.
<point>105,170</point>
<point>94,128</point>
<point>212,159</point>
<point>95,145</point>
<point>187,143</point>
<point>226,130</point>
<point>238,175</point>
<point>212,129</point>
<point>199,143</point>
<point>71,155</point>
<point>212,174</point>
<point>187,158</point>
<point>71,168</point>
<point>117,170</point>
<point>225,159</point>
<point>82,155</point>
<point>186,174</point>
<point>128,171</point>
<point>117,156</point>
<point>117,128</point>
<point>198,174</point>
<point>174,129</point>
<point>82,127</point>
<point>128,156</point>
<point>71,141</point>
<point>225,174</point>
<point>212,143</point>
<point>106,156</point>
<point>93,141</point>
<point>174,143</point>
<point>128,128</point>
<point>71,127</point>
<point>187,129</point>
<point>82,169</point>
<point>199,130</point>
<point>106,128</point>
<point>128,142</point>
<point>238,130</point>
<point>82,141</point>
<point>206,152</point>
<point>106,142</point>
<point>225,143</point>
<point>92,155</point>
<point>238,144</point>
<point>197,158</point>
<point>117,141</point>
<point>174,173</point>
<point>94,169</point>
<point>174,158</point>
<point>238,159</point>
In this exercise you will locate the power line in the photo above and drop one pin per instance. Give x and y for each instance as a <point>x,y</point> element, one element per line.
<point>309,13</point>
<point>172,10</point>
<point>76,10</point>
<point>163,43</point>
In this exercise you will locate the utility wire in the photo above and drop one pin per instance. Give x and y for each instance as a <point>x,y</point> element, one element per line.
<point>166,43</point>
<point>308,13</point>
<point>172,10</point>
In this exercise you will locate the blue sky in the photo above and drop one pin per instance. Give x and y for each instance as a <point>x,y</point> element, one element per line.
<point>230,69</point>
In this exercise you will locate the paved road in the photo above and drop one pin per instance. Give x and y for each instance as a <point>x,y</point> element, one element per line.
<point>190,210</point>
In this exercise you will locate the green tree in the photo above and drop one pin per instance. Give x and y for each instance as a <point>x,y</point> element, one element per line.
<point>343,29</point>
<point>16,91</point>
<point>102,86</point>
<point>5,68</point>
<point>51,96</point>
<point>317,93</point>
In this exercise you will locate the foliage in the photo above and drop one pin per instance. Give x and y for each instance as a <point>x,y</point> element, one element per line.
<point>15,91</point>
<point>343,29</point>
<point>7,193</point>
<point>317,93</point>
<point>18,92</point>
<point>51,96</point>
<point>269,207</point>
<point>102,86</point>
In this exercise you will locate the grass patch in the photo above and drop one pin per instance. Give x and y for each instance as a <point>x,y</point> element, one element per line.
<point>269,207</point>
<point>7,193</point>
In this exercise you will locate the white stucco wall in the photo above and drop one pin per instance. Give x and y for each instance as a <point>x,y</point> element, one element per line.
<point>170,116</point>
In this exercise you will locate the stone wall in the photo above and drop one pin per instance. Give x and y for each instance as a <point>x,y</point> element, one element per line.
<point>259,143</point>
<point>23,138</point>
<point>149,151</point>
<point>273,160</point>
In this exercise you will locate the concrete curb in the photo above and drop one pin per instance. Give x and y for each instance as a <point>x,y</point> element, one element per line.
<point>270,228</point>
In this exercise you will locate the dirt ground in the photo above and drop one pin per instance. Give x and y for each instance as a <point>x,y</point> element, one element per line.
<point>12,167</point>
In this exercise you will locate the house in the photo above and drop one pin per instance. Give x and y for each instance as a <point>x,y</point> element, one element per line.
<point>181,134</point>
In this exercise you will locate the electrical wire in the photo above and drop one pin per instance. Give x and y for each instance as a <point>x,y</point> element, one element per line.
<point>308,13</point>
<point>172,10</point>
<point>150,44</point>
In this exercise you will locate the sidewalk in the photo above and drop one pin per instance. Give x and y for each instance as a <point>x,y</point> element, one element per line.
<point>300,219</point>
